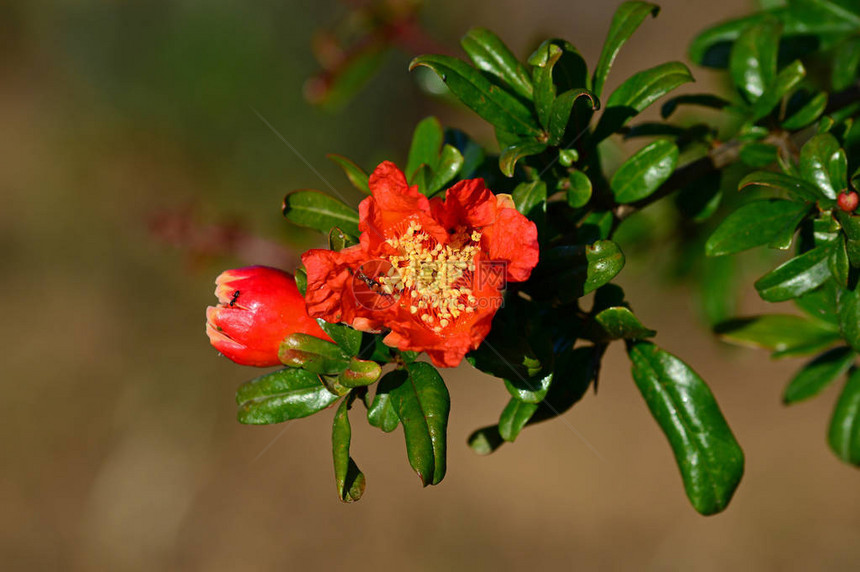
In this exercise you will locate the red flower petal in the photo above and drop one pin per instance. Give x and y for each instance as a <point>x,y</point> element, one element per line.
<point>513,240</point>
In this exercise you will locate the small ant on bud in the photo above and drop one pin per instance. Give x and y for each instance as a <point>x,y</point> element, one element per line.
<point>235,297</point>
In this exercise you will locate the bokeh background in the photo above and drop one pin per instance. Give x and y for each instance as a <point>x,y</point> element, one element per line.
<point>134,167</point>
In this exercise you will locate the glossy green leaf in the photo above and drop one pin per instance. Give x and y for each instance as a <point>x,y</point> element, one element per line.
<point>820,160</point>
<point>485,440</point>
<point>808,114</point>
<point>628,17</point>
<point>777,332</point>
<point>838,263</point>
<point>313,354</point>
<point>381,412</point>
<point>422,404</point>
<point>530,199</point>
<point>818,374</point>
<point>846,60</point>
<point>579,192</point>
<point>529,389</point>
<point>785,81</point>
<point>753,59</point>
<point>359,373</point>
<point>605,261</point>
<point>557,65</point>
<point>426,145</point>
<point>338,239</point>
<point>301,280</point>
<point>285,394</point>
<point>514,417</point>
<point>758,155</point>
<point>709,457</point>
<point>349,479</point>
<point>619,323</point>
<point>795,277</point>
<point>492,103</point>
<point>645,171</point>
<point>637,93</point>
<point>347,338</point>
<point>755,224</point>
<point>574,371</point>
<point>844,433</point>
<point>849,317</point>
<point>353,172</point>
<point>562,107</point>
<point>797,188</point>
<point>524,148</point>
<point>820,304</point>
<point>449,163</point>
<point>316,210</point>
<point>697,99</point>
<point>491,55</point>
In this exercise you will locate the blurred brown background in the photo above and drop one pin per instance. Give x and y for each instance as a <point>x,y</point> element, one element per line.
<point>120,448</point>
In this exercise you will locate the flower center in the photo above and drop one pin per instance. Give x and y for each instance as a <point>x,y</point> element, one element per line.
<point>435,279</point>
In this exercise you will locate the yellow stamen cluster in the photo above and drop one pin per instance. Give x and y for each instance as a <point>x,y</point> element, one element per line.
<point>435,278</point>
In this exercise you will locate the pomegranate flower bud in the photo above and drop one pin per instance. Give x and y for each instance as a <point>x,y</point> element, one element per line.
<point>258,307</point>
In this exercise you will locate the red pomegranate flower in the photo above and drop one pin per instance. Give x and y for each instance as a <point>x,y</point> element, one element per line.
<point>259,307</point>
<point>430,271</point>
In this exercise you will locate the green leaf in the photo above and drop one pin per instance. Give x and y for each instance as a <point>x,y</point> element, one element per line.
<point>628,17</point>
<point>573,373</point>
<point>797,188</point>
<point>807,114</point>
<point>709,457</point>
<point>348,477</point>
<point>795,277</point>
<point>637,93</point>
<point>556,63</point>
<point>820,159</point>
<point>777,332</point>
<point>520,149</point>
<point>849,317</point>
<point>754,224</point>
<point>838,263</point>
<point>579,192</point>
<point>530,199</point>
<point>759,155</point>
<point>313,354</point>
<point>605,261</point>
<point>347,338</point>
<point>818,374</point>
<point>559,113</point>
<point>514,417</point>
<point>381,412</point>
<point>353,172</point>
<point>422,404</point>
<point>619,323</point>
<point>316,210</point>
<point>844,433</point>
<point>338,240</point>
<point>449,164</point>
<point>753,58</point>
<point>645,171</point>
<point>785,81</point>
<point>846,60</point>
<point>820,304</point>
<point>359,373</point>
<point>301,280</point>
<point>529,390</point>
<point>285,394</point>
<point>485,440</point>
<point>491,102</point>
<point>491,55</point>
<point>426,145</point>
<point>699,99</point>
